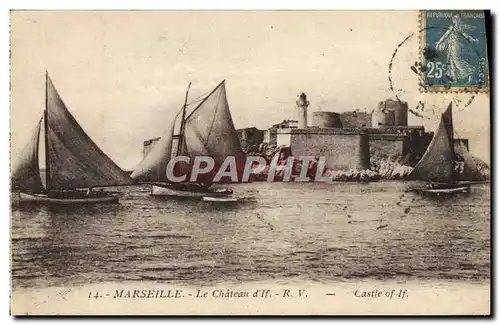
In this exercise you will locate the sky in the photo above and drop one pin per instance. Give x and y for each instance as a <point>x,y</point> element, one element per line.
<point>123,74</point>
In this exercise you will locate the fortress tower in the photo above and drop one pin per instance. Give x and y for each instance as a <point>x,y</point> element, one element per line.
<point>301,109</point>
<point>390,113</point>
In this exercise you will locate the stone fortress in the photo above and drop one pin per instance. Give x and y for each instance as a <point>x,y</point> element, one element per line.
<point>348,140</point>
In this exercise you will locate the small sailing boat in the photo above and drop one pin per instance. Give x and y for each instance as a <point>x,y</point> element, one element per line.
<point>73,162</point>
<point>445,170</point>
<point>207,131</point>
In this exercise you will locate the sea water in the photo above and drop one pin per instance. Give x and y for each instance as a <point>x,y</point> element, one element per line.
<point>277,231</point>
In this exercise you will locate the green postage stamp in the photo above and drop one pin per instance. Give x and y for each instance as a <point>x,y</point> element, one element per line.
<point>454,50</point>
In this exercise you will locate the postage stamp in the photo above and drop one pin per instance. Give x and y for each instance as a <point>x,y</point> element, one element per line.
<point>454,51</point>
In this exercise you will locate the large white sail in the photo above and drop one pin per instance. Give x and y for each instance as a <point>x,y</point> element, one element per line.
<point>210,130</point>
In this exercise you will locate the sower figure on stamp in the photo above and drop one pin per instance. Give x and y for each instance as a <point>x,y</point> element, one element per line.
<point>452,43</point>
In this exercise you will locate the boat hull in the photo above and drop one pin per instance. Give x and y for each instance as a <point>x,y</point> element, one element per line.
<point>157,190</point>
<point>444,191</point>
<point>220,199</point>
<point>21,198</point>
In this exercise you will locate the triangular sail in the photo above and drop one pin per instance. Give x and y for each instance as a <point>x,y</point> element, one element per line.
<point>152,168</point>
<point>437,163</point>
<point>209,130</point>
<point>74,160</point>
<point>26,171</point>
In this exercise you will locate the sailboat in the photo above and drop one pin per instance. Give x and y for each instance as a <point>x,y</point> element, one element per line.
<point>74,164</point>
<point>445,170</point>
<point>206,131</point>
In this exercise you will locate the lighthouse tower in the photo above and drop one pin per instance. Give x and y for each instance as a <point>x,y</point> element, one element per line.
<point>301,109</point>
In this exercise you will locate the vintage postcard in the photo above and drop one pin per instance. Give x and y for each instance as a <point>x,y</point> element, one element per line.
<point>250,162</point>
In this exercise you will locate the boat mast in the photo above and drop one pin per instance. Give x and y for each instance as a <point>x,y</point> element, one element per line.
<point>46,133</point>
<point>183,123</point>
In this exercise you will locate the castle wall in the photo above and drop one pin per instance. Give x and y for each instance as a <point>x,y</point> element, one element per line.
<point>382,118</point>
<point>326,120</point>
<point>355,119</point>
<point>343,150</point>
<point>273,136</point>
<point>383,146</point>
<point>283,138</point>
<point>399,109</point>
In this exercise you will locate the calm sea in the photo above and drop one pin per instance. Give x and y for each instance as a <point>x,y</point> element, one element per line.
<point>279,230</point>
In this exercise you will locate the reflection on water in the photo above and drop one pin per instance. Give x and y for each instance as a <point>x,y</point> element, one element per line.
<point>311,231</point>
